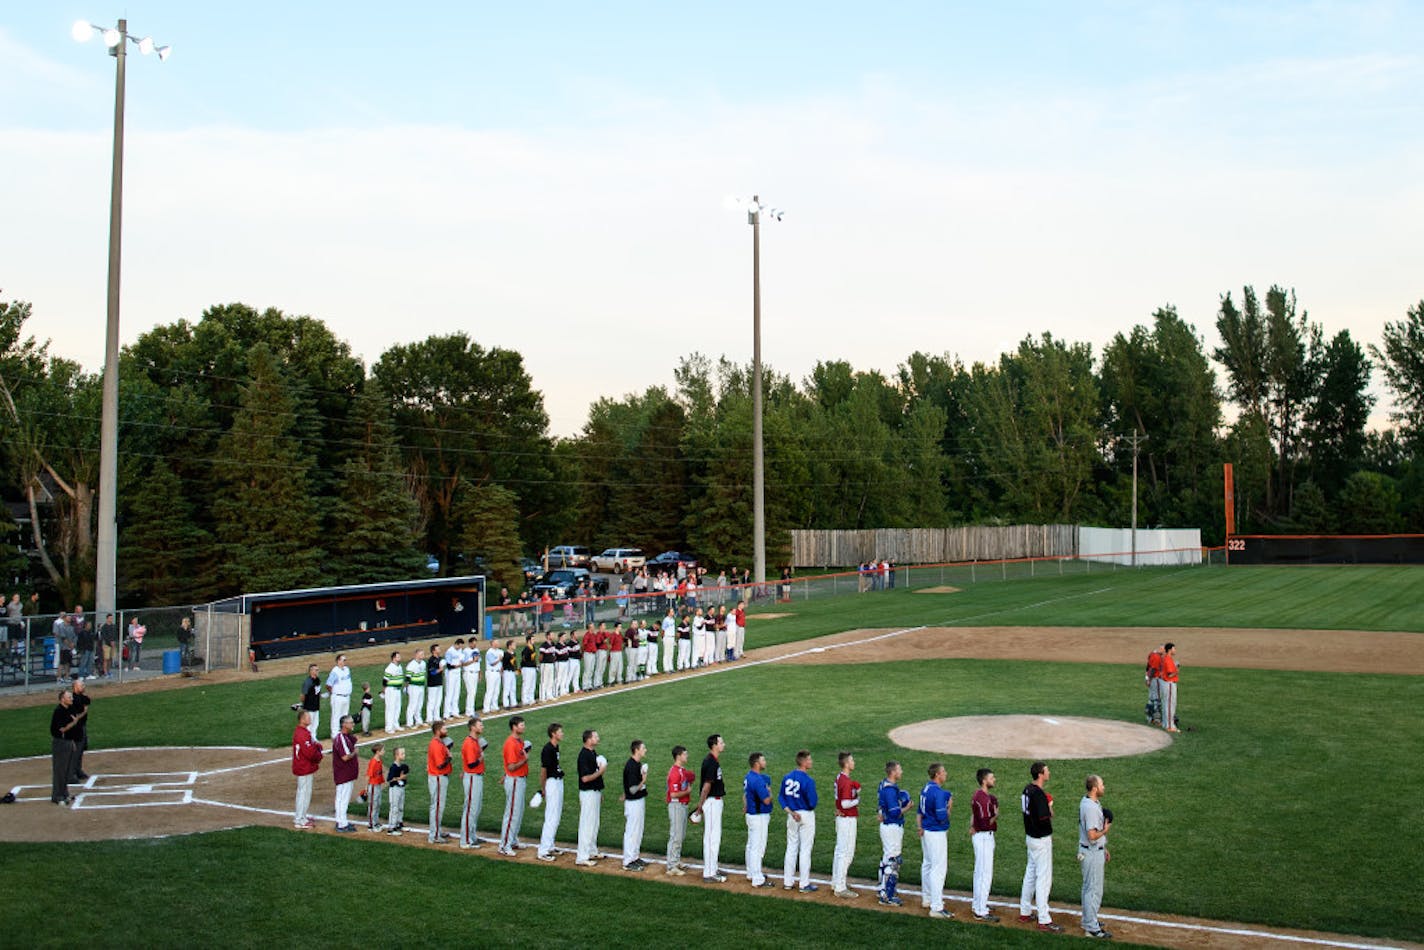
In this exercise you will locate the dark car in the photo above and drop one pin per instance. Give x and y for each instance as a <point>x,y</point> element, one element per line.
<point>668,561</point>
<point>531,568</point>
<point>565,583</point>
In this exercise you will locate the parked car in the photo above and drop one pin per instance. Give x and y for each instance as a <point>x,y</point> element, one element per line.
<point>668,561</point>
<point>569,555</point>
<point>565,583</point>
<point>531,568</point>
<point>618,560</point>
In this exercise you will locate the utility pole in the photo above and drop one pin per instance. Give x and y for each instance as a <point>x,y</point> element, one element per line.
<point>1136,439</point>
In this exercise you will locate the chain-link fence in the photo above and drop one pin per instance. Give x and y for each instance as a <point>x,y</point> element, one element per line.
<point>627,602</point>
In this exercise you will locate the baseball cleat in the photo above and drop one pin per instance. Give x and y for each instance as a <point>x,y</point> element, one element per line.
<point>714,879</point>
<point>1025,918</point>
<point>1099,934</point>
<point>987,918</point>
<point>941,915</point>
<point>632,867</point>
<point>810,889</point>
<point>847,894</point>
<point>1050,928</point>
<point>675,872</point>
<point>547,857</point>
<point>765,883</point>
<point>889,901</point>
<point>583,862</point>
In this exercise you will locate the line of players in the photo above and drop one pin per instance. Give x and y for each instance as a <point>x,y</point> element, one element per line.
<point>429,685</point>
<point>796,794</point>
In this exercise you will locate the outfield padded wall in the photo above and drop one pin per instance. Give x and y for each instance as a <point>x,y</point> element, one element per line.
<point>1325,549</point>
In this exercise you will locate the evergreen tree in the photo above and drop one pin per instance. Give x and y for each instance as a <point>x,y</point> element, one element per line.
<point>267,519</point>
<point>1335,419</point>
<point>165,557</point>
<point>489,519</point>
<point>1369,504</point>
<point>375,523</point>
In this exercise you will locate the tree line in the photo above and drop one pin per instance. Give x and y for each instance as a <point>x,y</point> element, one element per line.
<point>257,453</point>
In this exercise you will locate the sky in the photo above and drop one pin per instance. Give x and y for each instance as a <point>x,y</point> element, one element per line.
<point>552,178</point>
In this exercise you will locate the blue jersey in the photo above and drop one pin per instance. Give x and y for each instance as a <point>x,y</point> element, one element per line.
<point>756,791</point>
<point>798,791</point>
<point>892,800</point>
<point>934,807</point>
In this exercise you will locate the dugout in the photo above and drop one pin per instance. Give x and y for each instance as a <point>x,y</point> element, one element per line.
<point>330,619</point>
<point>1325,549</point>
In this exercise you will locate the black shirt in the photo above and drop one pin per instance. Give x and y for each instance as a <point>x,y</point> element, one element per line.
<point>1038,817</point>
<point>548,652</point>
<point>549,760</point>
<point>712,773</point>
<point>434,672</point>
<point>58,720</point>
<point>526,657</point>
<point>509,661</point>
<point>110,633</point>
<point>587,765</point>
<point>80,732</point>
<point>311,694</point>
<point>396,776</point>
<point>632,778</point>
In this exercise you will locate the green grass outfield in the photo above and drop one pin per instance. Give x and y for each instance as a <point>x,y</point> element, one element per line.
<point>1284,808</point>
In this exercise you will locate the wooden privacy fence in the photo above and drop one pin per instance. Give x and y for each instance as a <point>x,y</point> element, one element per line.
<point>932,545</point>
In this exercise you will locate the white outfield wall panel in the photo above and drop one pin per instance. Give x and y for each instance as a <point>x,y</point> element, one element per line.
<point>1155,546</point>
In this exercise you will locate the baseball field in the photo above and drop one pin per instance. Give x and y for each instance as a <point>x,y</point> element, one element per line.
<point>1285,803</point>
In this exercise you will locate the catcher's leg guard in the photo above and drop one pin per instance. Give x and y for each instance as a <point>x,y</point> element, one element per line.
<point>892,877</point>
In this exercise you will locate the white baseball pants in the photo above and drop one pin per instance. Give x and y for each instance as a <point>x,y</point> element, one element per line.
<point>799,837</point>
<point>757,826</point>
<point>1038,878</point>
<point>845,851</point>
<point>590,811</point>
<point>983,842</point>
<point>553,813</point>
<point>634,812</point>
<point>934,867</point>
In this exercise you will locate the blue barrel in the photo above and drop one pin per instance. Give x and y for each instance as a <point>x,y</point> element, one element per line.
<point>51,653</point>
<point>172,661</point>
<point>489,627</point>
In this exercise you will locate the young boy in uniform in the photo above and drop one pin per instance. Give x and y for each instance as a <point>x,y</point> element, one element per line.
<point>375,781</point>
<point>396,778</point>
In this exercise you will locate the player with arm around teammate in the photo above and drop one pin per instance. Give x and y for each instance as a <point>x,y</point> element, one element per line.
<point>936,801</point>
<point>892,802</point>
<point>847,809</point>
<point>756,800</point>
<point>798,798</point>
<point>984,822</point>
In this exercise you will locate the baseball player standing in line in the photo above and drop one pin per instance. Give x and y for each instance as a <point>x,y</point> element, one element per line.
<point>528,672</point>
<point>392,683</point>
<point>306,759</point>
<point>516,777</point>
<point>984,822</point>
<point>375,781</point>
<point>892,802</point>
<point>1168,687</point>
<point>494,663</point>
<point>591,767</point>
<point>452,661</point>
<point>798,797</point>
<point>635,804</point>
<point>396,779</point>
<point>1154,696</point>
<point>311,698</point>
<point>679,796</point>
<point>509,676</point>
<point>933,816</point>
<point>1038,836</point>
<point>434,683</point>
<point>847,808</point>
<point>600,659</point>
<point>710,807</point>
<point>572,653</point>
<point>470,673</point>
<point>756,799</point>
<point>548,668</point>
<point>472,769</point>
<point>438,766</point>
<point>1094,823</point>
<point>551,787</point>
<point>338,685</point>
<point>590,650</point>
<point>740,615</point>
<point>616,645</point>
<point>667,635</point>
<point>345,766</point>
<point>415,691</point>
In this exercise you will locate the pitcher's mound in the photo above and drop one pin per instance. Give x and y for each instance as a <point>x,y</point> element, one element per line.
<point>942,589</point>
<point>1030,737</point>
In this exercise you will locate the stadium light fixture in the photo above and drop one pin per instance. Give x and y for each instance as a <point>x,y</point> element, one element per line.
<point>755,209</point>
<point>116,39</point>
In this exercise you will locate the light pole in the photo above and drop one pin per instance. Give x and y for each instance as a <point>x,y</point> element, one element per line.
<point>755,209</point>
<point>106,547</point>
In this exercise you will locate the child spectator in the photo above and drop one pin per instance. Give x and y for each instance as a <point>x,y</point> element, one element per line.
<point>375,780</point>
<point>395,780</point>
<point>368,703</point>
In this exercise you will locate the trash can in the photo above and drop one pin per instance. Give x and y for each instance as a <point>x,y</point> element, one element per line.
<point>51,653</point>
<point>489,627</point>
<point>172,661</point>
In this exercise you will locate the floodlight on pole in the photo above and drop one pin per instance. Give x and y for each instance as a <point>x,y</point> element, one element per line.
<point>106,545</point>
<point>755,209</point>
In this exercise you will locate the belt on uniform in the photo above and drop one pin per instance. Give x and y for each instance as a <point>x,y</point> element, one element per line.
<point>1090,847</point>
<point>984,832</point>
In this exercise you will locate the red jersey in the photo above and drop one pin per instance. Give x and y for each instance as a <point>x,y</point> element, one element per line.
<point>472,757</point>
<point>1154,665</point>
<point>741,617</point>
<point>306,752</point>
<point>1169,668</point>
<point>679,784</point>
<point>847,790</point>
<point>615,642</point>
<point>437,758</point>
<point>375,772</point>
<point>590,642</point>
<point>603,639</point>
<point>513,752</point>
<point>984,811</point>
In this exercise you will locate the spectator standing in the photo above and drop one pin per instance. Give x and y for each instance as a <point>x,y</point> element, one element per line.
<point>185,639</point>
<point>63,635</point>
<point>635,804</point>
<point>136,633</point>
<point>84,646</point>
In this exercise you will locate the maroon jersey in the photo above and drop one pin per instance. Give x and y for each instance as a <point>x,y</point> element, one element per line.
<point>984,811</point>
<point>343,772</point>
<point>847,790</point>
